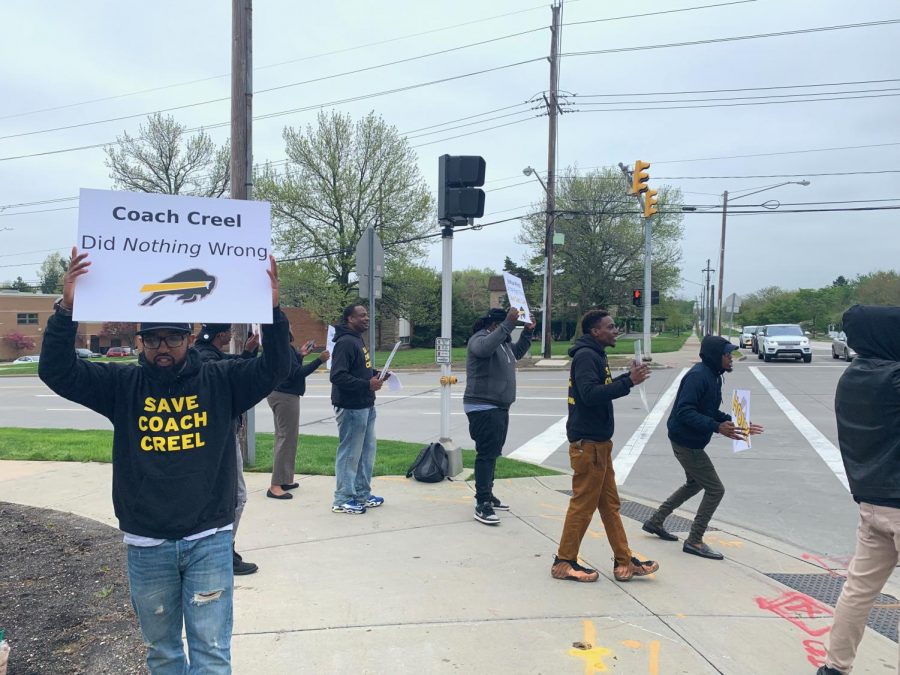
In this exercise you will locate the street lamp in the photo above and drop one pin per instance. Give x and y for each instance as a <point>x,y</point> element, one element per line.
<point>725,202</point>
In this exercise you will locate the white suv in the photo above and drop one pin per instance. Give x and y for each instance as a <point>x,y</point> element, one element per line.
<point>780,340</point>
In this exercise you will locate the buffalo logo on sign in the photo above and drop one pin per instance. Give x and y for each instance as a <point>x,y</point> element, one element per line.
<point>188,286</point>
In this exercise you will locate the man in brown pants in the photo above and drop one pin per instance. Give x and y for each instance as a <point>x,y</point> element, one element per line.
<point>589,430</point>
<point>867,406</point>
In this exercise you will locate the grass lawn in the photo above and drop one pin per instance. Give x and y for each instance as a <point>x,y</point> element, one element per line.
<point>316,454</point>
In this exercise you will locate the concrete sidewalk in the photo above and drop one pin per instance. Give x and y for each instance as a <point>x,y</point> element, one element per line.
<point>418,586</point>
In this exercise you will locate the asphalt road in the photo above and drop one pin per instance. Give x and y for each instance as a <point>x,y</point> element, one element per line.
<point>781,487</point>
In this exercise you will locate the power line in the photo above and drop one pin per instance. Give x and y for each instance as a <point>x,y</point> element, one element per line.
<point>281,63</point>
<point>780,175</point>
<point>781,152</point>
<point>735,38</point>
<point>732,90</point>
<point>741,98</point>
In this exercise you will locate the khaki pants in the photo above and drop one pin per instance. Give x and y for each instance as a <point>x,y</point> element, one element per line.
<point>877,546</point>
<point>593,487</point>
<point>286,412</point>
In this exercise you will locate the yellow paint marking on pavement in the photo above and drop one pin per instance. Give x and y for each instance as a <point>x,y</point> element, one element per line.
<point>593,656</point>
<point>632,644</point>
<point>173,286</point>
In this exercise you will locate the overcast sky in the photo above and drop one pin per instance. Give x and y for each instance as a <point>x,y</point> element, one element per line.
<point>66,63</point>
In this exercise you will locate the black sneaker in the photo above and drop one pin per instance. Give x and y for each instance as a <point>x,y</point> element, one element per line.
<point>498,505</point>
<point>240,567</point>
<point>825,670</point>
<point>484,513</point>
<point>659,531</point>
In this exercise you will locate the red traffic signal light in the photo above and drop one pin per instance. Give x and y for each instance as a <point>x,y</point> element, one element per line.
<point>637,297</point>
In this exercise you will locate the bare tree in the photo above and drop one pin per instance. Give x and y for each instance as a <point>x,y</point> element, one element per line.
<point>162,158</point>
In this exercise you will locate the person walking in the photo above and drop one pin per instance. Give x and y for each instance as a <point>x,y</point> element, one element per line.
<point>211,343</point>
<point>173,469</point>
<point>695,417</point>
<point>285,405</point>
<point>490,391</point>
<point>867,407</point>
<point>589,429</point>
<point>353,385</point>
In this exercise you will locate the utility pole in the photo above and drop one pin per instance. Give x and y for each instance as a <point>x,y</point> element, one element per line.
<point>553,111</point>
<point>721,264</point>
<point>242,155</point>
<point>707,301</point>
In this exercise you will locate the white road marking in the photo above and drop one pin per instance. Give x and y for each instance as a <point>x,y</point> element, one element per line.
<point>628,456</point>
<point>823,447</point>
<point>510,414</point>
<point>539,448</point>
<point>69,410</point>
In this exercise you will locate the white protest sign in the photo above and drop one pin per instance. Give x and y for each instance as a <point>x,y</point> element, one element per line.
<point>515,293</point>
<point>638,360</point>
<point>329,345</point>
<point>740,409</point>
<point>387,364</point>
<point>161,257</point>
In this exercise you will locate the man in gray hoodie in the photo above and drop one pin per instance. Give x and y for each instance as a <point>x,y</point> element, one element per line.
<point>490,390</point>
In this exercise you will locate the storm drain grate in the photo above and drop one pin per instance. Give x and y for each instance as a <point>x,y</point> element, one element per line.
<point>827,587</point>
<point>642,513</point>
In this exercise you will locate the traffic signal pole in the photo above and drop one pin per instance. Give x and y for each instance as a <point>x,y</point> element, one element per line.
<point>647,292</point>
<point>454,454</point>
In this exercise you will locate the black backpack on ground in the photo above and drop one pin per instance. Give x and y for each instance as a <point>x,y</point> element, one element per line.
<point>431,466</point>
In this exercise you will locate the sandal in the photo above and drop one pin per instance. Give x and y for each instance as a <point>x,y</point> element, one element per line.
<point>635,568</point>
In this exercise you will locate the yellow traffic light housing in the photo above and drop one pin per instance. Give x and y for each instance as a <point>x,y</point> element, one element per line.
<point>640,177</point>
<point>650,203</point>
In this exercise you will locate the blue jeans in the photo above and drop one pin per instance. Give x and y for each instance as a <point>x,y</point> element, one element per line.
<point>189,582</point>
<point>355,454</point>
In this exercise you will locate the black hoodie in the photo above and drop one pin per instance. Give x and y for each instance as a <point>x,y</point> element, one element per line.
<point>867,405</point>
<point>592,389</point>
<point>174,460</point>
<point>695,417</point>
<point>351,371</point>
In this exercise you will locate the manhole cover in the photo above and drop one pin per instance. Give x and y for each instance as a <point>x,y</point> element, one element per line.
<point>642,513</point>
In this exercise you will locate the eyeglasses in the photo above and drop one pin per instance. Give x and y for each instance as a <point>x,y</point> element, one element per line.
<point>172,341</point>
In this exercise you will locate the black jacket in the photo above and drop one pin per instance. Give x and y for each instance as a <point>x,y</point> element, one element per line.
<point>867,405</point>
<point>173,432</point>
<point>296,381</point>
<point>592,389</point>
<point>209,352</point>
<point>351,370</point>
<point>695,417</point>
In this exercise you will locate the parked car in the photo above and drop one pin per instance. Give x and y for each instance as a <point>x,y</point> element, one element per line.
<point>754,337</point>
<point>117,352</point>
<point>86,353</point>
<point>783,340</point>
<point>840,348</point>
<point>747,336</point>
<point>28,359</point>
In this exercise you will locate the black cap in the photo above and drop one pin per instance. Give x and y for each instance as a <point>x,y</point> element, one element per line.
<point>495,315</point>
<point>151,326</point>
<point>209,330</point>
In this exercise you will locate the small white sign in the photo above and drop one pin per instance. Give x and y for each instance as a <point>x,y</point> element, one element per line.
<point>329,345</point>
<point>740,413</point>
<point>515,293</point>
<point>173,258</point>
<point>442,350</point>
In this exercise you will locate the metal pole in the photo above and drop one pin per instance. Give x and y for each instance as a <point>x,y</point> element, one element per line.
<point>553,106</point>
<point>648,289</point>
<point>370,233</point>
<point>544,310</point>
<point>721,264</point>
<point>242,153</point>
<point>454,454</point>
<point>712,308</point>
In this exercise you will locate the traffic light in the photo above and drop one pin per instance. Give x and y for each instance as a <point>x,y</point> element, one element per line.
<point>637,298</point>
<point>654,297</point>
<point>650,203</point>
<point>459,178</point>
<point>640,177</point>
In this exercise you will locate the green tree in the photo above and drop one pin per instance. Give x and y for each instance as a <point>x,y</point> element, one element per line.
<point>879,288</point>
<point>603,255</point>
<point>162,158</point>
<point>51,274</point>
<point>342,177</point>
<point>19,285</point>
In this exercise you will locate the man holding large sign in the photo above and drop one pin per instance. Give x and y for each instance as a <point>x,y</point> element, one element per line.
<point>174,488</point>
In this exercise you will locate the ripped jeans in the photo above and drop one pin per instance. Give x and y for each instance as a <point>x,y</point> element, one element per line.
<point>189,583</point>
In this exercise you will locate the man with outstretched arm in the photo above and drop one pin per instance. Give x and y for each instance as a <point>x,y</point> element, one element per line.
<point>173,461</point>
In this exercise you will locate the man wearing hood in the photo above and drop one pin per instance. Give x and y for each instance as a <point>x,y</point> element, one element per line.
<point>490,390</point>
<point>695,417</point>
<point>214,338</point>
<point>589,429</point>
<point>867,407</point>
<point>173,469</point>
<point>353,385</point>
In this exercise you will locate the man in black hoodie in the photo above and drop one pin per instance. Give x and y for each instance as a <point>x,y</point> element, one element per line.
<point>867,406</point>
<point>353,386</point>
<point>173,462</point>
<point>589,428</point>
<point>213,339</point>
<point>695,417</point>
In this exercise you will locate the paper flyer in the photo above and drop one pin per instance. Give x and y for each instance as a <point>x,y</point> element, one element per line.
<point>387,364</point>
<point>740,413</point>
<point>329,345</point>
<point>638,360</point>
